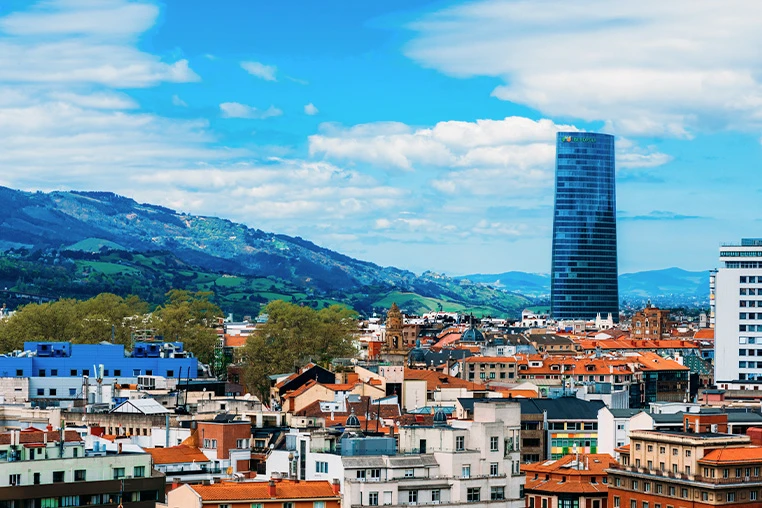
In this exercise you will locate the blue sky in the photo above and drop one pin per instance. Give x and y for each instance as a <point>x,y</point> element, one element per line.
<point>410,133</point>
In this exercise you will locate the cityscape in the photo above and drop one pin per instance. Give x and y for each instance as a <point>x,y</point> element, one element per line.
<point>488,253</point>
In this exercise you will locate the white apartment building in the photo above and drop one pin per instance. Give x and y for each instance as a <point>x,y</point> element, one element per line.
<point>474,462</point>
<point>736,300</point>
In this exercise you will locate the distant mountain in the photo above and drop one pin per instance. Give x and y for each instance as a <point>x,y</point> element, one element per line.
<point>59,224</point>
<point>670,286</point>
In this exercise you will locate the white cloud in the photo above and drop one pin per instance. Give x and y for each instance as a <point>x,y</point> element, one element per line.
<point>238,110</point>
<point>260,70</point>
<point>481,157</point>
<point>177,101</point>
<point>83,42</point>
<point>310,109</point>
<point>648,68</point>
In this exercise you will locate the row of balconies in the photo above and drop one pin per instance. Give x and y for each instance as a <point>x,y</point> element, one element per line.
<point>689,477</point>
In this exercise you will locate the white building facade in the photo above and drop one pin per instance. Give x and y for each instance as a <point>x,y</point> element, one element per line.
<point>736,298</point>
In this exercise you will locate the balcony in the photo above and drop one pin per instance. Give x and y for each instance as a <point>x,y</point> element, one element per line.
<point>194,471</point>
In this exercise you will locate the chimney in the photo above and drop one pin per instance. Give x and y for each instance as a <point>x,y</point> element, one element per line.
<point>336,486</point>
<point>271,488</point>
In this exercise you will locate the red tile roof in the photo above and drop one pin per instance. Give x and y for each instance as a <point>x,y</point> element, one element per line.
<point>704,333</point>
<point>33,435</point>
<point>749,454</point>
<point>176,455</point>
<point>570,474</point>
<point>435,380</point>
<point>254,491</point>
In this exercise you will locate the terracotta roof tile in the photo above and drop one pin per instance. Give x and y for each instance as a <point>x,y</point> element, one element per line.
<point>32,435</point>
<point>252,491</point>
<point>176,455</point>
<point>435,380</point>
<point>740,454</point>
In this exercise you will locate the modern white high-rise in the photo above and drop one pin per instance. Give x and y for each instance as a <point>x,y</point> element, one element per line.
<point>736,298</point>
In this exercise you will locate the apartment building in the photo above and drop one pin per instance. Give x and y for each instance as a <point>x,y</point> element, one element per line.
<point>573,481</point>
<point>700,465</point>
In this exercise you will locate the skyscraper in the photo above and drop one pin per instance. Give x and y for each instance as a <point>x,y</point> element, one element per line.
<point>734,289</point>
<point>584,273</point>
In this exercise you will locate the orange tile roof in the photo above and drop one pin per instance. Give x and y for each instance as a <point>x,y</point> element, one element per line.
<point>704,333</point>
<point>176,455</point>
<point>436,380</point>
<point>519,394</point>
<point>591,345</point>
<point>295,393</point>
<point>729,455</point>
<point>254,491</point>
<point>652,361</point>
<point>344,387</point>
<point>235,340</point>
<point>562,475</point>
<point>491,359</point>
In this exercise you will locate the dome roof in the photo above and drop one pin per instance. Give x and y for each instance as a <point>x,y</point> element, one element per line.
<point>352,421</point>
<point>417,354</point>
<point>440,418</point>
<point>472,335</point>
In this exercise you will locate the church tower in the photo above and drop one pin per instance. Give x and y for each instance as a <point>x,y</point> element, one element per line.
<point>394,348</point>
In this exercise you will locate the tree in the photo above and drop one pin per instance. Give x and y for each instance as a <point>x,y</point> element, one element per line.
<point>190,318</point>
<point>294,335</point>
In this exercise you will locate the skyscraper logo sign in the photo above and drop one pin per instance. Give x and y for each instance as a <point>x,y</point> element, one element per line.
<point>572,139</point>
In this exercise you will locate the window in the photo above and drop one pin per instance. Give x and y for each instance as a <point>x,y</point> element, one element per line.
<point>70,501</point>
<point>242,444</point>
<point>286,505</point>
<point>360,473</point>
<point>170,373</point>
<point>36,478</point>
<point>322,467</point>
<point>58,476</point>
<point>19,372</point>
<point>224,506</point>
<point>493,471</point>
<point>375,473</point>
<point>139,471</point>
<point>705,496</point>
<point>14,479</point>
<point>674,452</point>
<point>671,491</point>
<point>753,495</point>
<point>645,504</point>
<point>460,443</point>
<point>634,484</point>
<point>473,494</point>
<point>738,472</point>
<point>48,502</point>
<point>117,372</point>
<point>40,391</point>
<point>409,473</point>
<point>659,488</point>
<point>633,503</point>
<point>53,372</point>
<point>646,486</point>
<point>412,496</point>
<point>436,495</point>
<point>41,373</point>
<point>687,469</point>
<point>687,453</point>
<point>465,471</point>
<point>650,448</point>
<point>321,504</point>
<point>684,493</point>
<point>731,497</point>
<point>85,372</point>
<point>497,493</point>
<point>53,392</point>
<point>73,372</point>
<point>80,475</point>
<point>257,505</point>
<point>72,392</point>
<point>372,499</point>
<point>118,473</point>
<point>637,446</point>
<point>618,482</point>
<point>617,502</point>
<point>494,446</point>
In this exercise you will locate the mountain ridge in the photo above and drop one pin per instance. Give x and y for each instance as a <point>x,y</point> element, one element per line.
<point>61,220</point>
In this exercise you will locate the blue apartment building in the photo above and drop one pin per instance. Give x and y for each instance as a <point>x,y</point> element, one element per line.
<point>56,369</point>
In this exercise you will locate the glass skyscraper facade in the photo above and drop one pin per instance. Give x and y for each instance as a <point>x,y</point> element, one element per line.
<point>584,272</point>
